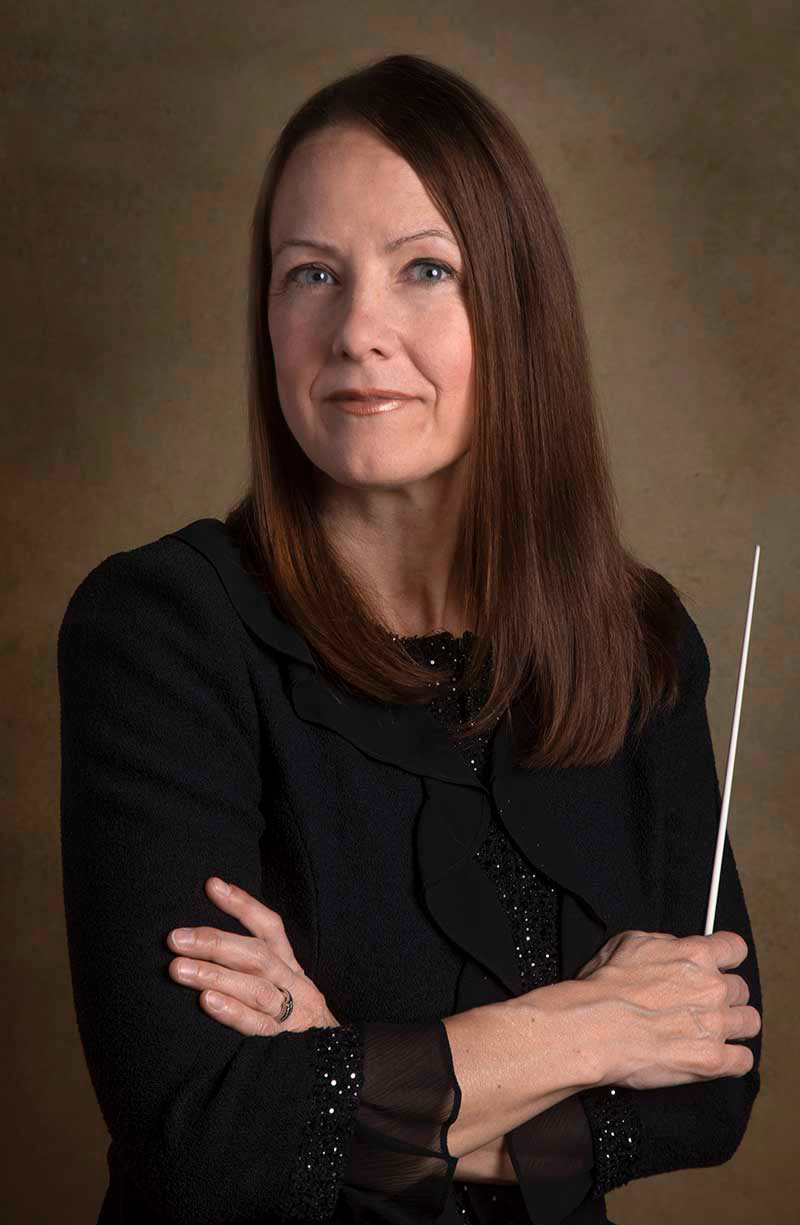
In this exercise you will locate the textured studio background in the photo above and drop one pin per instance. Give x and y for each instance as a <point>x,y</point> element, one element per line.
<point>134,138</point>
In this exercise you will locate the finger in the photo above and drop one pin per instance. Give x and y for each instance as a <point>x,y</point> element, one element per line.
<point>730,948</point>
<point>264,923</point>
<point>738,990</point>
<point>744,1023</point>
<point>238,1016</point>
<point>255,992</point>
<point>247,954</point>
<point>651,935</point>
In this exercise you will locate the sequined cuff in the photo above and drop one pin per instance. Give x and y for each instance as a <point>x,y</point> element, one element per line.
<point>338,1076</point>
<point>616,1136</point>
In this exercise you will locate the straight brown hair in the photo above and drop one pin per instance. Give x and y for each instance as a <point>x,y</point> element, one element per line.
<point>581,636</point>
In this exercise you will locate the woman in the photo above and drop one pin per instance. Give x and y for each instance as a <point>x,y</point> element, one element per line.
<point>444,737</point>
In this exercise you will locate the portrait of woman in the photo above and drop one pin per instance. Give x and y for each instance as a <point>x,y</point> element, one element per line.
<point>388,801</point>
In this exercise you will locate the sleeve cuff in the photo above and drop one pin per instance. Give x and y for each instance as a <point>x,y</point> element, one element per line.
<point>384,1097</point>
<point>338,1058</point>
<point>616,1136</point>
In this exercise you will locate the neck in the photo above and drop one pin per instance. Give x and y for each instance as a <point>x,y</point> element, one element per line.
<point>402,554</point>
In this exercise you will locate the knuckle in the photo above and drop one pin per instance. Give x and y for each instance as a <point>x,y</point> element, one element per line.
<point>265,960</point>
<point>740,991</point>
<point>718,991</point>
<point>712,1059</point>
<point>635,937</point>
<point>712,1022</point>
<point>264,997</point>
<point>720,1060</point>
<point>270,919</point>
<point>719,1023</point>
<point>206,938</point>
<point>611,945</point>
<point>697,949</point>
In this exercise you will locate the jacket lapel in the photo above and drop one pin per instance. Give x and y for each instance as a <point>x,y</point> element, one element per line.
<point>406,736</point>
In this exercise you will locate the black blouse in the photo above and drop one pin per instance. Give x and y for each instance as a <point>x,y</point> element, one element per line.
<point>385,1100</point>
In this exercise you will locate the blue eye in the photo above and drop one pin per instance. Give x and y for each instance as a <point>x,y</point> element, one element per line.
<point>428,263</point>
<point>305,268</point>
<point>434,263</point>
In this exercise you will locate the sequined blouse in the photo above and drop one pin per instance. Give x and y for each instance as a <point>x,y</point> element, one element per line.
<point>387,1133</point>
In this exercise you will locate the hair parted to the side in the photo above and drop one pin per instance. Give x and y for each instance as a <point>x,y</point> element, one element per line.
<point>583,637</point>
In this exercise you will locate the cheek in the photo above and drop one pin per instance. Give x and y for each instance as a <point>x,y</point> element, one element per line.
<point>444,333</point>
<point>297,365</point>
<point>288,338</point>
<point>448,359</point>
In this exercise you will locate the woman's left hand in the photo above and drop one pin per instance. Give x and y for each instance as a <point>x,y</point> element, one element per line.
<point>246,972</point>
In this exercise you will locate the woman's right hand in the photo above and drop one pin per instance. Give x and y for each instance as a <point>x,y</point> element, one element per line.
<point>666,1011</point>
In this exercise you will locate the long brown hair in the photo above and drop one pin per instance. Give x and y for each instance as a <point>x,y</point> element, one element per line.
<point>578,632</point>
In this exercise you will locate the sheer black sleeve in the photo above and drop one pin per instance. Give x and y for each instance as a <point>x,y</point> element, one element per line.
<point>398,1166</point>
<point>553,1158</point>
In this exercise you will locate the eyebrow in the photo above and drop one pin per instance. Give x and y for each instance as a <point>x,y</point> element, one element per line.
<point>431,232</point>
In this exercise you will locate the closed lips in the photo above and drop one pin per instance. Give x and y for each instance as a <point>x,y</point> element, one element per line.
<point>371,393</point>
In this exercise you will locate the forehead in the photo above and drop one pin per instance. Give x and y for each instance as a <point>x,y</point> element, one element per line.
<point>346,181</point>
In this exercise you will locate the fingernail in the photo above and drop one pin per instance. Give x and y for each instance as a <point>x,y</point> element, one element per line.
<point>214,1001</point>
<point>183,935</point>
<point>221,887</point>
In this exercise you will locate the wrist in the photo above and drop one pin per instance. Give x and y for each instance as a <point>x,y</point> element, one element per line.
<point>569,1012</point>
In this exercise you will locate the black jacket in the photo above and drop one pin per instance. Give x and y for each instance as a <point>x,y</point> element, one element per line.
<point>199,739</point>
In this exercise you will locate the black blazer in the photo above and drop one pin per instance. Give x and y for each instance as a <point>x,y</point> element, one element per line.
<point>198,739</point>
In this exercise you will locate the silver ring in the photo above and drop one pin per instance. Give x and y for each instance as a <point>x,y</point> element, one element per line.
<point>288,1005</point>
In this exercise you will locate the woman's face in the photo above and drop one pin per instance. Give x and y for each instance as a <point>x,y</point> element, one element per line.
<point>345,312</point>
